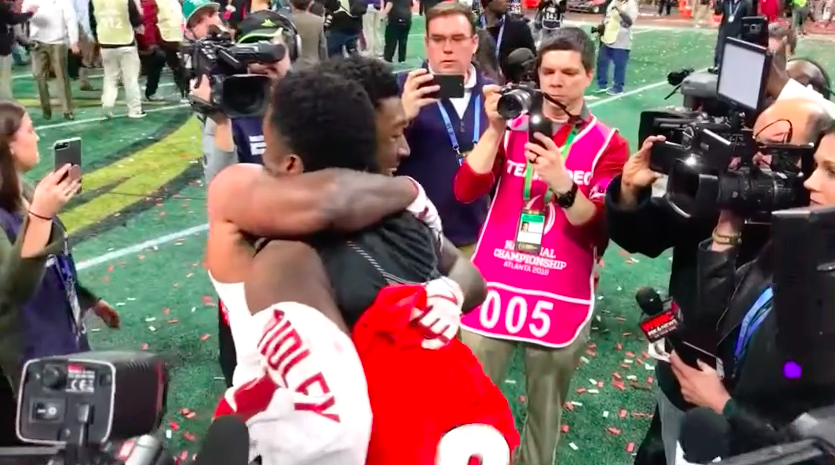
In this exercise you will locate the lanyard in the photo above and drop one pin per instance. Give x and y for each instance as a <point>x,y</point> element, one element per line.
<point>526,188</point>
<point>450,131</point>
<point>753,319</point>
<point>499,37</point>
<point>733,13</point>
<point>66,272</point>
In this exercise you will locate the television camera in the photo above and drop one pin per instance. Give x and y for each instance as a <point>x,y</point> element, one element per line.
<point>235,93</point>
<point>709,151</point>
<point>92,408</point>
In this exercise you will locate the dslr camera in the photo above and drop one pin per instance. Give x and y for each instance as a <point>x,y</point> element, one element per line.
<point>235,93</point>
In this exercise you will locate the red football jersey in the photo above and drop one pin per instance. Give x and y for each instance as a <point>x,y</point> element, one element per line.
<point>419,395</point>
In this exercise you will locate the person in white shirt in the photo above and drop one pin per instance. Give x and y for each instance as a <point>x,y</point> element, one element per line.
<point>52,30</point>
<point>86,43</point>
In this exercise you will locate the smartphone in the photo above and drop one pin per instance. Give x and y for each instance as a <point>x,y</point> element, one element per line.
<point>67,152</point>
<point>452,86</point>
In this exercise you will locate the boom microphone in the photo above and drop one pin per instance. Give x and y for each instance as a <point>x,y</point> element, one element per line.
<point>226,443</point>
<point>704,435</point>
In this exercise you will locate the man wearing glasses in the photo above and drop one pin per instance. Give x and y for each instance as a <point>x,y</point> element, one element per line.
<point>442,132</point>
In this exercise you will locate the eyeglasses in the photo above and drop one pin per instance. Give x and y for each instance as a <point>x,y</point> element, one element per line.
<point>457,39</point>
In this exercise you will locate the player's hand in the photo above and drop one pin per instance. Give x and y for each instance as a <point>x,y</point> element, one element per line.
<point>442,316</point>
<point>423,209</point>
<point>416,92</point>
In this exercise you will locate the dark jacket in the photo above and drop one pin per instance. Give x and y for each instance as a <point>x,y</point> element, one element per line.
<point>652,228</point>
<point>35,315</point>
<point>433,163</point>
<point>8,19</point>
<point>516,34</point>
<point>739,9</point>
<point>765,400</point>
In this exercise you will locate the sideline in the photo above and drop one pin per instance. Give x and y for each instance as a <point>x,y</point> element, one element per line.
<point>171,237</point>
<point>44,127</point>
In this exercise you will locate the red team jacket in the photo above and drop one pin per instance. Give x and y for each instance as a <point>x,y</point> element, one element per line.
<point>418,395</point>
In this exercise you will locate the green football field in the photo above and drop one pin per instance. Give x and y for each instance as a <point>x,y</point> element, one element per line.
<point>139,230</point>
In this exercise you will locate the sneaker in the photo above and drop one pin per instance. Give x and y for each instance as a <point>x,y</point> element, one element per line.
<point>141,114</point>
<point>154,98</point>
<point>602,90</point>
<point>107,112</point>
<point>612,91</point>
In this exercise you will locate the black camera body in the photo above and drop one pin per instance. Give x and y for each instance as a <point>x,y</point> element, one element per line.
<point>703,179</point>
<point>235,93</point>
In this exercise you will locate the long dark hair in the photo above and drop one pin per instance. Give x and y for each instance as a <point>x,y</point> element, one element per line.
<point>11,116</point>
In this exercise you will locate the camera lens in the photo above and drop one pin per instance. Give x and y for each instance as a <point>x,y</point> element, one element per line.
<point>513,104</point>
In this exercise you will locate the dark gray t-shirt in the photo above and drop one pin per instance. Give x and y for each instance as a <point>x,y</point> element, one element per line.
<point>401,11</point>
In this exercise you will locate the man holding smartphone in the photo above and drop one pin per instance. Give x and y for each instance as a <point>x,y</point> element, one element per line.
<point>444,103</point>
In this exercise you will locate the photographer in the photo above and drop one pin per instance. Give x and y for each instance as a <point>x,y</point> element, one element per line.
<point>615,44</point>
<point>756,396</point>
<point>641,224</point>
<point>557,179</point>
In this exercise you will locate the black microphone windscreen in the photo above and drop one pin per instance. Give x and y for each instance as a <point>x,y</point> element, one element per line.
<point>704,435</point>
<point>226,443</point>
<point>650,301</point>
<point>520,56</point>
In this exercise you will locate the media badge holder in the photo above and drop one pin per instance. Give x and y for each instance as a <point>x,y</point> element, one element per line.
<point>453,137</point>
<point>531,226</point>
<point>68,281</point>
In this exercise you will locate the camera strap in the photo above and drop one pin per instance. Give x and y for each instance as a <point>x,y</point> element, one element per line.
<point>549,194</point>
<point>753,319</point>
<point>453,135</point>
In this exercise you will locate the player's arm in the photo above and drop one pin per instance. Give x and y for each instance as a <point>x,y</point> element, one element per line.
<point>297,205</point>
<point>453,264</point>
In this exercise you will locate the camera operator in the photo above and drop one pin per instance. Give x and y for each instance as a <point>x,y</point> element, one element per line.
<point>732,12</point>
<point>644,225</point>
<point>755,393</point>
<point>544,230</point>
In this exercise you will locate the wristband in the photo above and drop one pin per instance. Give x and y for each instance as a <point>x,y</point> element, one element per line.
<point>39,216</point>
<point>729,410</point>
<point>723,239</point>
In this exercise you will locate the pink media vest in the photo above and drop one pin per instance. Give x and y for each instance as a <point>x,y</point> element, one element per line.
<point>543,299</point>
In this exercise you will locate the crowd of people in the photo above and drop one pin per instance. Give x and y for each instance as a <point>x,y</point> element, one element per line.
<point>371,242</point>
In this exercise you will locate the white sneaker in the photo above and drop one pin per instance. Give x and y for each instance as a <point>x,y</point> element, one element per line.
<point>141,114</point>
<point>155,98</point>
<point>107,112</point>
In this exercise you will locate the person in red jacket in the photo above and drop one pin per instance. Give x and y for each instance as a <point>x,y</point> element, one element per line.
<point>162,34</point>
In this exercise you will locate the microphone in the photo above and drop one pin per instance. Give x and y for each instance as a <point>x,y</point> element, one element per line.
<point>520,64</point>
<point>704,436</point>
<point>226,443</point>
<point>659,323</point>
<point>664,321</point>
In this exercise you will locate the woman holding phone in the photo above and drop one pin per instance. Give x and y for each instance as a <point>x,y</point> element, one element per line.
<point>41,301</point>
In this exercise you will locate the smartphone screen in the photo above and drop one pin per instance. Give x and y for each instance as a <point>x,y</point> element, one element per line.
<point>452,86</point>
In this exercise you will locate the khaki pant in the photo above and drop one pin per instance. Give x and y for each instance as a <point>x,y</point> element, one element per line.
<point>88,57</point>
<point>46,58</point>
<point>121,63</point>
<point>6,77</point>
<point>548,375</point>
<point>372,30</point>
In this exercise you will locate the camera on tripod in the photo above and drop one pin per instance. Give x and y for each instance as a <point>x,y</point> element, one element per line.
<point>235,93</point>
